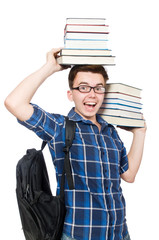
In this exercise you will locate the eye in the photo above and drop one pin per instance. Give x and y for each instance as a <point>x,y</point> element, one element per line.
<point>100,89</point>
<point>83,88</point>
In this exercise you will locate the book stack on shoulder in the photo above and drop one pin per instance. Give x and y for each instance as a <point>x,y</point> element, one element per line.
<point>86,42</point>
<point>122,105</point>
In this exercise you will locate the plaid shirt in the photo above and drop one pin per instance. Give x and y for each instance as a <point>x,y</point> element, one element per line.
<point>96,207</point>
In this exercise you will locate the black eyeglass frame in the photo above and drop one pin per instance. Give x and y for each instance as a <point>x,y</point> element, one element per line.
<point>90,88</point>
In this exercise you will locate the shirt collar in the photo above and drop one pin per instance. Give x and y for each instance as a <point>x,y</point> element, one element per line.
<point>76,117</point>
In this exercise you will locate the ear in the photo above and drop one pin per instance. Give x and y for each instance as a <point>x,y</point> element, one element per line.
<point>69,95</point>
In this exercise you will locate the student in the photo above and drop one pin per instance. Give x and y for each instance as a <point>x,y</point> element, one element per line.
<point>96,207</point>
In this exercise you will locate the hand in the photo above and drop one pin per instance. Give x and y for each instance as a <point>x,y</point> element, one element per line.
<point>51,61</point>
<point>135,130</point>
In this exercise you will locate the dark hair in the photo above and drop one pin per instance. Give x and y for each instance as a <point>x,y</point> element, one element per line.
<point>86,68</point>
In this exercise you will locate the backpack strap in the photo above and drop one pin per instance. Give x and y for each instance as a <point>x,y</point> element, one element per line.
<point>43,145</point>
<point>69,136</point>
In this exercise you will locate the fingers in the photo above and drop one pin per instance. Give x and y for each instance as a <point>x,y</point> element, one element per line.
<point>54,50</point>
<point>51,60</point>
<point>53,53</point>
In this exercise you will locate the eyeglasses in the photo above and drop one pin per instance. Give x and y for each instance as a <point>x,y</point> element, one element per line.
<point>87,89</point>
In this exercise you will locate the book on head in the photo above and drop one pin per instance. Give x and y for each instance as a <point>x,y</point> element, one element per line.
<point>86,28</point>
<point>85,36</point>
<point>85,52</point>
<point>84,60</point>
<point>85,44</point>
<point>87,21</point>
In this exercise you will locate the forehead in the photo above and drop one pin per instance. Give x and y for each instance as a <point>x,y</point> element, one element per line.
<point>89,78</point>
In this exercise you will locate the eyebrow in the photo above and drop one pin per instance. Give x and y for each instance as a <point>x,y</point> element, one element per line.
<point>86,83</point>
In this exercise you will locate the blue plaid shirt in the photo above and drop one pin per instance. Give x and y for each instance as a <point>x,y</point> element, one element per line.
<point>96,207</point>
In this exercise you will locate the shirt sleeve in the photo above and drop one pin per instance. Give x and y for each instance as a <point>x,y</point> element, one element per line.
<point>124,160</point>
<point>44,124</point>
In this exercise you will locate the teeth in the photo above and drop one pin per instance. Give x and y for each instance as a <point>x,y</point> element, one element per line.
<point>93,104</point>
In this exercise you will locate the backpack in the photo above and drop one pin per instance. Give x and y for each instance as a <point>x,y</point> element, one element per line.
<point>42,214</point>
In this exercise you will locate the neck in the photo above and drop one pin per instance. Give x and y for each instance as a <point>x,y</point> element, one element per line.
<point>93,119</point>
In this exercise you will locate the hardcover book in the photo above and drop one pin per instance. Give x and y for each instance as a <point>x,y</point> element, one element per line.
<point>85,44</point>
<point>123,121</point>
<point>122,96</point>
<point>86,36</point>
<point>124,110</point>
<point>86,28</point>
<point>85,52</point>
<point>123,88</point>
<point>87,21</point>
<point>84,60</point>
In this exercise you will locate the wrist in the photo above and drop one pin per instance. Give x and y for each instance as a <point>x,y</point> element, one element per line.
<point>139,134</point>
<point>140,131</point>
<point>48,69</point>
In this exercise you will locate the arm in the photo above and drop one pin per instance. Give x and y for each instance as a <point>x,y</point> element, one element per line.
<point>18,101</point>
<point>135,154</point>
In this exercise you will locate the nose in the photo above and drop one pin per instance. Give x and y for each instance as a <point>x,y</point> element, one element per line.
<point>92,93</point>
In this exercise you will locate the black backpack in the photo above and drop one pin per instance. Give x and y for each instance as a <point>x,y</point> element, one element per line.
<point>42,214</point>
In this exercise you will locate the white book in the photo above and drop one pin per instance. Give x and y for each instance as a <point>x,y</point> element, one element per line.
<point>88,36</point>
<point>119,101</point>
<point>121,121</point>
<point>123,88</point>
<point>88,21</point>
<point>120,113</point>
<point>120,106</point>
<point>85,44</point>
<point>84,60</point>
<point>86,52</point>
<point>86,28</point>
<point>122,96</point>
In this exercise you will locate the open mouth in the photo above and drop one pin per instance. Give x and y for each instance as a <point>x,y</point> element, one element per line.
<point>90,105</point>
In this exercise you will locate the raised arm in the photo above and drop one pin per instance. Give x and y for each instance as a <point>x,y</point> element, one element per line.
<point>18,101</point>
<point>135,153</point>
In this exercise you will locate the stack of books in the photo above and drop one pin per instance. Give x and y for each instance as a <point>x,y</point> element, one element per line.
<point>86,42</point>
<point>122,105</point>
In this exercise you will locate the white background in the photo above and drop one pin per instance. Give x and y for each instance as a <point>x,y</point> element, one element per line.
<point>31,28</point>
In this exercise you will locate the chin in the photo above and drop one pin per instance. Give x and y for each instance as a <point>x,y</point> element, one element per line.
<point>87,114</point>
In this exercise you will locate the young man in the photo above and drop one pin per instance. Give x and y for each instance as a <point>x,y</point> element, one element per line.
<point>96,207</point>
